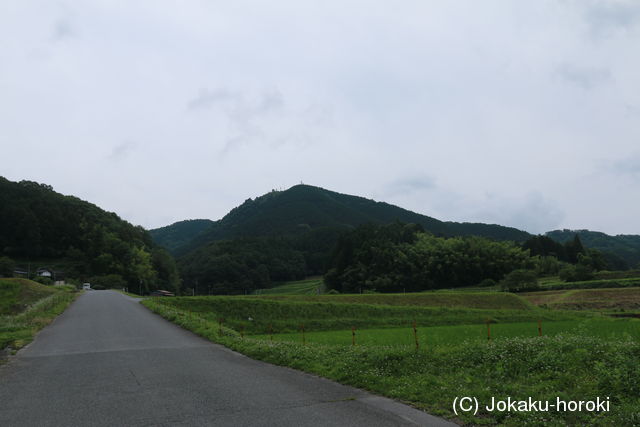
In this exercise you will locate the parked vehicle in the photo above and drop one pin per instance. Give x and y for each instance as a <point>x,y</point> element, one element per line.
<point>161,293</point>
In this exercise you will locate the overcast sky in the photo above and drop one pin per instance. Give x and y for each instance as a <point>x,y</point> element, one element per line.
<point>522,113</point>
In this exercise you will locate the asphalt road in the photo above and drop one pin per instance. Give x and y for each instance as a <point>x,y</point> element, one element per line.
<point>108,361</point>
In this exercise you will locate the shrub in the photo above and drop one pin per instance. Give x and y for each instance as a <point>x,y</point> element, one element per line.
<point>7,265</point>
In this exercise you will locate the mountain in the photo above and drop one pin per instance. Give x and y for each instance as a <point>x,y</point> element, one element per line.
<point>180,233</point>
<point>302,208</point>
<point>625,247</point>
<point>41,227</point>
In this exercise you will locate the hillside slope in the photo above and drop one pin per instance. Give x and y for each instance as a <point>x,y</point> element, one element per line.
<point>180,233</point>
<point>37,223</point>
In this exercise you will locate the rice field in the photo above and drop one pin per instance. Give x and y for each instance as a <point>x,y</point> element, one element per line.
<point>603,328</point>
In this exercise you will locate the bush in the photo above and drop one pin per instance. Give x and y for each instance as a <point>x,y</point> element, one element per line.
<point>487,283</point>
<point>43,280</point>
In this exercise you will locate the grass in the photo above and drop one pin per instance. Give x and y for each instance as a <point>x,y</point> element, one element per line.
<point>450,299</point>
<point>17,294</point>
<point>129,294</point>
<point>27,307</point>
<point>553,283</point>
<point>597,359</point>
<point>450,335</point>
<point>587,299</point>
<point>311,286</point>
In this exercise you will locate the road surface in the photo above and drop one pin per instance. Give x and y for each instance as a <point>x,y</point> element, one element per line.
<point>108,361</point>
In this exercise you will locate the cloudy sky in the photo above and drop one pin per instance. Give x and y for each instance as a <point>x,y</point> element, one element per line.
<point>523,113</point>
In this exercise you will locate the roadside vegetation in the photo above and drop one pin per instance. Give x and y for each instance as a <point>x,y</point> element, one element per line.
<point>579,356</point>
<point>26,307</point>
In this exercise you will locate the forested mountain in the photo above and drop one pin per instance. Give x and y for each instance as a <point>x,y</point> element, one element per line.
<point>285,235</point>
<point>38,224</point>
<point>625,248</point>
<point>180,233</point>
<point>303,207</point>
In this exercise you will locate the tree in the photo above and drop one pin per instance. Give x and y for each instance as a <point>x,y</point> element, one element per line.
<point>519,280</point>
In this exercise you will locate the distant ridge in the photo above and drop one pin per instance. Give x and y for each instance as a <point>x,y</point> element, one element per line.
<point>624,246</point>
<point>304,207</point>
<point>180,233</point>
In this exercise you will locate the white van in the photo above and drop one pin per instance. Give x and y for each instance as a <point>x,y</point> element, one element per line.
<point>86,286</point>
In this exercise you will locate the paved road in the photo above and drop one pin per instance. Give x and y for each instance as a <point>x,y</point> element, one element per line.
<point>108,361</point>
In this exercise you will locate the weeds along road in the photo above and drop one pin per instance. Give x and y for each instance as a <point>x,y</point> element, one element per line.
<point>109,361</point>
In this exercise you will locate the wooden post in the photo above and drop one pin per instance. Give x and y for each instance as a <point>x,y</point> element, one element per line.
<point>242,331</point>
<point>415,334</point>
<point>539,327</point>
<point>353,335</point>
<point>304,341</point>
<point>270,333</point>
<point>488,330</point>
<point>220,321</point>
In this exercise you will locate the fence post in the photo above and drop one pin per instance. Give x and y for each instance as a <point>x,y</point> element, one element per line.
<point>220,321</point>
<point>241,331</point>
<point>353,335</point>
<point>539,327</point>
<point>488,330</point>
<point>304,341</point>
<point>415,334</point>
<point>270,333</point>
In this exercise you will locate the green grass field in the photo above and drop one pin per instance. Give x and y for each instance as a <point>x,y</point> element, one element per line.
<point>285,314</point>
<point>26,307</point>
<point>311,286</point>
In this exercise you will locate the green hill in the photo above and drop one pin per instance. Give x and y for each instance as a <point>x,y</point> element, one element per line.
<point>302,208</point>
<point>38,224</point>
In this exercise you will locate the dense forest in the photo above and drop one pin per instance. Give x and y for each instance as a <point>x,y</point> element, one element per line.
<point>41,227</point>
<point>402,257</point>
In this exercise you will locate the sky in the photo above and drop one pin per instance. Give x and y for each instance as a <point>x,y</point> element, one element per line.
<point>520,113</point>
